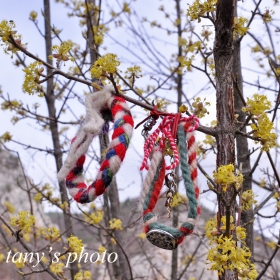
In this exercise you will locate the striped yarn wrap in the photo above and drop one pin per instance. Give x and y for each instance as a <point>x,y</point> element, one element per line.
<point>149,196</point>
<point>72,169</point>
<point>165,128</point>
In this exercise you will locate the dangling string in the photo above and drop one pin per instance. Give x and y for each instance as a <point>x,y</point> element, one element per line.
<point>96,104</point>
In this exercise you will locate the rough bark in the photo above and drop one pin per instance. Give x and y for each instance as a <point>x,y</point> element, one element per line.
<point>243,158</point>
<point>223,56</point>
<point>50,100</point>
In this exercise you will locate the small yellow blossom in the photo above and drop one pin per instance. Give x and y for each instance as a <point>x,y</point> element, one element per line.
<point>115,224</point>
<point>240,233</point>
<point>6,137</point>
<point>255,49</point>
<point>10,207</point>
<point>257,104</point>
<point>263,130</point>
<point>95,218</point>
<point>33,15</point>
<point>183,108</point>
<point>239,26</point>
<point>38,197</point>
<point>24,221</point>
<point>179,199</point>
<point>57,268</point>
<point>106,64</point>
<point>99,32</point>
<point>142,235</point>
<point>185,62</point>
<point>62,51</point>
<point>101,249</point>
<point>134,71</point>
<point>267,15</point>
<point>226,176</point>
<point>51,234</point>
<point>2,257</point>
<point>271,244</point>
<point>32,76</point>
<point>209,140</point>
<point>11,105</point>
<point>278,206</point>
<point>19,263</point>
<point>199,9</point>
<point>75,244</point>
<point>83,276</point>
<point>113,240</point>
<point>200,107</point>
<point>126,8</point>
<point>248,199</point>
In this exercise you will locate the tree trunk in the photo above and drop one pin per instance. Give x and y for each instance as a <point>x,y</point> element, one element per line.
<point>223,55</point>
<point>50,100</point>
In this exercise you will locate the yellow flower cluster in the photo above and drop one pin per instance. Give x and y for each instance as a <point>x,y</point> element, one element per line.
<point>185,62</point>
<point>32,76</point>
<point>209,140</point>
<point>115,224</point>
<point>200,107</point>
<point>99,32</point>
<point>199,9</point>
<point>75,244</point>
<point>83,276</point>
<point>256,49</point>
<point>179,199</point>
<point>57,269</point>
<point>226,176</point>
<point>6,137</point>
<point>257,104</point>
<point>95,218</point>
<point>6,30</point>
<point>225,254</point>
<point>51,234</point>
<point>263,130</point>
<point>248,199</point>
<point>38,197</point>
<point>134,71</point>
<point>24,221</point>
<point>11,105</point>
<point>239,26</point>
<point>101,249</point>
<point>126,8</point>
<point>62,51</point>
<point>106,64</point>
<point>19,263</point>
<point>142,235</point>
<point>10,207</point>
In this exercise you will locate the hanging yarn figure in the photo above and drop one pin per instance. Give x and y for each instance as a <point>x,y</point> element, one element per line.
<point>173,126</point>
<point>101,107</point>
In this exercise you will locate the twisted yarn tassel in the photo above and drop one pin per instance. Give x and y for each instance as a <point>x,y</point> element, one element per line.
<point>193,165</point>
<point>123,127</point>
<point>156,159</point>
